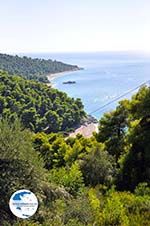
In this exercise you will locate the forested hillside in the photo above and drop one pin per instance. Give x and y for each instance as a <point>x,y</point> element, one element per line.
<point>36,69</point>
<point>103,180</point>
<point>39,107</point>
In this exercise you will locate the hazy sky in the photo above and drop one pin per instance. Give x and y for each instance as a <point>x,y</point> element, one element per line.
<point>74,25</point>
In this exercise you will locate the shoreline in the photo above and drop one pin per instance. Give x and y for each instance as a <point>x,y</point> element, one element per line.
<point>51,77</point>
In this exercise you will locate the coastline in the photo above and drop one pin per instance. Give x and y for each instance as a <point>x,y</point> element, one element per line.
<point>51,77</point>
<point>86,128</point>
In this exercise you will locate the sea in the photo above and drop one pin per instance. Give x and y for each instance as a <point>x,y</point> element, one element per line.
<point>107,78</point>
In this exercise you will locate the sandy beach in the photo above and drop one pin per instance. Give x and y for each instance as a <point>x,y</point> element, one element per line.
<point>85,130</point>
<point>51,77</point>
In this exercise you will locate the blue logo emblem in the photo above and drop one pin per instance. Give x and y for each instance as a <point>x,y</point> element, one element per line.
<point>23,204</point>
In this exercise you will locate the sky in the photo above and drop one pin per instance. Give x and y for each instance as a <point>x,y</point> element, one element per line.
<point>74,25</point>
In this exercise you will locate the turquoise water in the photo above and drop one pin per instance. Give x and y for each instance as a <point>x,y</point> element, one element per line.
<point>105,76</point>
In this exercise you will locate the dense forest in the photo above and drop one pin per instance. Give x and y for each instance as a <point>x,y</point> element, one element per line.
<point>39,107</point>
<point>103,180</point>
<point>36,69</point>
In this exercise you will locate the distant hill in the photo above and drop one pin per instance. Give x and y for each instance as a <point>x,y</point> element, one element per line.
<point>36,69</point>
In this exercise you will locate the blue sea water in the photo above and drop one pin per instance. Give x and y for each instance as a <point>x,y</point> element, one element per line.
<point>106,76</point>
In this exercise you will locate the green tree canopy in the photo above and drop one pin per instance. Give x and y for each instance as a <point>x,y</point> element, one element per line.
<point>36,69</point>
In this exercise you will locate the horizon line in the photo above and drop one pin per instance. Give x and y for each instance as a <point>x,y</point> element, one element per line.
<point>75,52</point>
